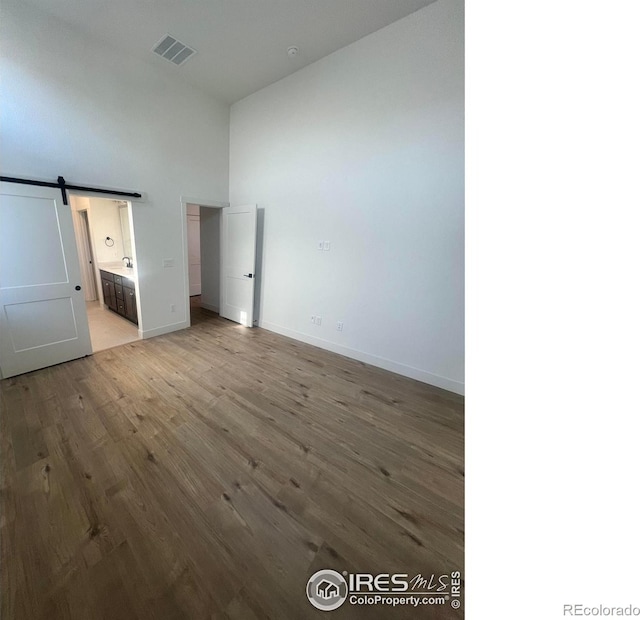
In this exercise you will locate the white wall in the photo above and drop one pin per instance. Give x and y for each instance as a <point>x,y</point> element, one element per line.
<point>74,107</point>
<point>365,149</point>
<point>210,255</point>
<point>104,221</point>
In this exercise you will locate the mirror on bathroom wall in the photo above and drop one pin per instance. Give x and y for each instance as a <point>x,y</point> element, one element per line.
<point>123,210</point>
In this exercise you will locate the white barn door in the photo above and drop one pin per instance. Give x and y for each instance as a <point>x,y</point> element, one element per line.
<point>43,318</point>
<point>239,226</point>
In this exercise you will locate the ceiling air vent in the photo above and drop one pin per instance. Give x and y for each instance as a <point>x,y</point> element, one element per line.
<point>172,50</point>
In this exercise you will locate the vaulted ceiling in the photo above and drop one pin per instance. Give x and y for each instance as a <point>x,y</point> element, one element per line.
<point>241,44</point>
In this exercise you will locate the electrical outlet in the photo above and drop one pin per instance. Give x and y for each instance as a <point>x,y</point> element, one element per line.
<point>318,321</point>
<point>321,245</point>
<point>168,262</point>
<point>326,246</point>
<point>313,319</point>
<point>339,326</point>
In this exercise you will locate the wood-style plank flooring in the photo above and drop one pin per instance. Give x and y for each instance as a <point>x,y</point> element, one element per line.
<point>210,472</point>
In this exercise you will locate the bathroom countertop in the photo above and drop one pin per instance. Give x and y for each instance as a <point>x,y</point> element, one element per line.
<point>119,270</point>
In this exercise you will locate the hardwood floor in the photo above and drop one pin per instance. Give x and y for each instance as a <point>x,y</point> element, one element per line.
<point>210,472</point>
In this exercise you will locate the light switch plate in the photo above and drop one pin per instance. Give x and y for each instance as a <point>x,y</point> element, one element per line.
<point>168,262</point>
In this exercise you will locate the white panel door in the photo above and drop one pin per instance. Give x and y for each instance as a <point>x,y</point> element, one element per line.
<point>193,242</point>
<point>239,225</point>
<point>43,318</point>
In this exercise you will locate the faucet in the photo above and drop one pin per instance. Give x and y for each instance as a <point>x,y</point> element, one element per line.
<point>129,264</point>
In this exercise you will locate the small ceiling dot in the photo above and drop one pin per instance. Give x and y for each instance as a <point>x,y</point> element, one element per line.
<point>292,51</point>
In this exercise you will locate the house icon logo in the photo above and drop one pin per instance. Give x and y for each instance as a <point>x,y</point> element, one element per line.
<point>327,590</point>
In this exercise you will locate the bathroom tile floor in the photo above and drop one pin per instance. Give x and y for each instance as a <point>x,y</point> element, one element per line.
<point>107,329</point>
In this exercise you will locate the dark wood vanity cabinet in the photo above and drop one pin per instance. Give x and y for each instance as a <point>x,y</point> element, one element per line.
<point>130,309</point>
<point>108,290</point>
<point>119,295</point>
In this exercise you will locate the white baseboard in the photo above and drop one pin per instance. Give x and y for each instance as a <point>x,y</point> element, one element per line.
<point>165,329</point>
<point>381,362</point>
<point>209,307</point>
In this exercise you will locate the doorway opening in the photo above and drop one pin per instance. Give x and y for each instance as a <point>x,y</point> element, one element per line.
<point>108,268</point>
<point>219,249</point>
<point>204,261</point>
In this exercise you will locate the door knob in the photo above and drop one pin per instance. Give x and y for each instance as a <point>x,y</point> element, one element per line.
<point>78,288</point>
<point>248,275</point>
